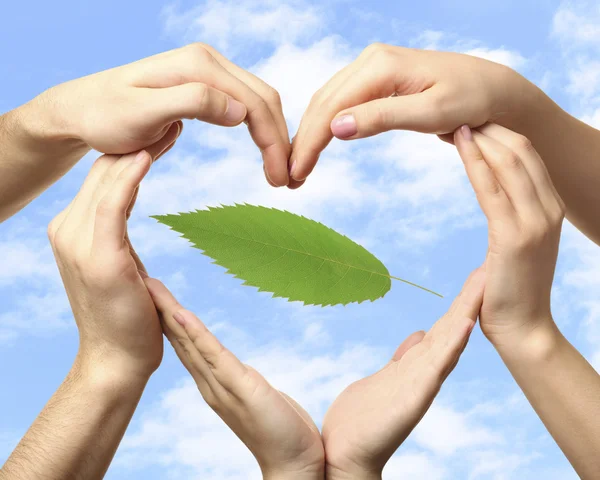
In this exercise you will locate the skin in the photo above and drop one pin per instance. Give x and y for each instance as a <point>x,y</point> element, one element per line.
<point>120,346</point>
<point>437,92</point>
<point>525,214</point>
<point>132,107</point>
<point>363,427</point>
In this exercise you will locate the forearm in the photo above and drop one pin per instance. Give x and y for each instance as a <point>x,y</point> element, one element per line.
<point>35,151</point>
<point>570,150</point>
<point>564,390</point>
<point>79,430</point>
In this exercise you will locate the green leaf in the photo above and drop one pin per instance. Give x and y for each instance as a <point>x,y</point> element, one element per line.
<point>286,254</point>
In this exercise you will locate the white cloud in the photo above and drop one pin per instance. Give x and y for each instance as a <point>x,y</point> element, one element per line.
<point>416,466</point>
<point>438,40</point>
<point>229,25</point>
<point>577,24</point>
<point>37,304</point>
<point>297,73</point>
<point>445,431</point>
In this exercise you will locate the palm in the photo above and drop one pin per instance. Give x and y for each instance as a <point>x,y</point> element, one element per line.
<point>277,430</point>
<point>373,416</point>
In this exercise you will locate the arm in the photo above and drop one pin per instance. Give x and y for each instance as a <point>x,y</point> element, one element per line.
<point>280,434</point>
<point>525,215</point>
<point>77,433</point>
<point>437,92</point>
<point>132,107</point>
<point>564,390</point>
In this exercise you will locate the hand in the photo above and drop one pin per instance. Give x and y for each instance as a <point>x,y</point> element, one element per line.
<point>371,418</point>
<point>131,107</point>
<point>433,92</point>
<point>118,325</point>
<point>279,433</point>
<point>525,215</point>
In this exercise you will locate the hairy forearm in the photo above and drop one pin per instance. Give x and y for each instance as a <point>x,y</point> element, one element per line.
<point>570,150</point>
<point>564,390</point>
<point>76,435</point>
<point>35,151</point>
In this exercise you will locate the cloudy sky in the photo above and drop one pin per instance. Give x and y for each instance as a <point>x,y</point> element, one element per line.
<point>404,196</point>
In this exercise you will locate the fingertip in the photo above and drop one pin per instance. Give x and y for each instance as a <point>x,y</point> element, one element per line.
<point>236,112</point>
<point>142,159</point>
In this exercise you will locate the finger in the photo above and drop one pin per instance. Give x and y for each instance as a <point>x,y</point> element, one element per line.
<point>531,159</point>
<point>156,151</point>
<point>225,366</point>
<point>314,132</point>
<point>194,64</point>
<point>410,112</point>
<point>410,341</point>
<point>192,361</point>
<point>492,199</point>
<point>512,175</point>
<point>138,261</point>
<point>163,145</point>
<point>260,87</point>
<point>167,305</point>
<point>200,102</point>
<point>450,333</point>
<point>468,302</point>
<point>111,213</point>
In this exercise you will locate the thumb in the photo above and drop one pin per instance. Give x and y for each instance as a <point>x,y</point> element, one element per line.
<point>410,341</point>
<point>198,101</point>
<point>410,112</point>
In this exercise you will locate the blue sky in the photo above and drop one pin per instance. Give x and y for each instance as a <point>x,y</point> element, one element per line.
<point>404,196</point>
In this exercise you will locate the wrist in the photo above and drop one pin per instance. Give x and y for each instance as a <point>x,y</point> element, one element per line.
<point>523,107</point>
<point>335,473</point>
<point>293,475</point>
<point>44,125</point>
<point>536,346</point>
<point>113,376</point>
<point>312,473</point>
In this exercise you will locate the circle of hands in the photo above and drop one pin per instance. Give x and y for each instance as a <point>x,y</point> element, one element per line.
<point>372,417</point>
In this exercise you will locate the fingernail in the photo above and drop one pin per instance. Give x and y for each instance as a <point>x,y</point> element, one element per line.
<point>293,168</point>
<point>344,126</point>
<point>179,318</point>
<point>466,133</point>
<point>236,111</point>
<point>140,157</point>
<point>143,274</point>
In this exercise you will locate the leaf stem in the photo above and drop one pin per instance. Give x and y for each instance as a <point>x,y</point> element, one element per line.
<point>415,285</point>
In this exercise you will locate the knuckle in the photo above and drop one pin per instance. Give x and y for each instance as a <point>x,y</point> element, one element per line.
<point>212,401</point>
<point>201,96</point>
<point>52,229</point>
<point>522,143</point>
<point>198,53</point>
<point>379,117</point>
<point>213,359</point>
<point>273,96</point>
<point>510,159</point>
<point>537,233</point>
<point>374,48</point>
<point>60,243</point>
